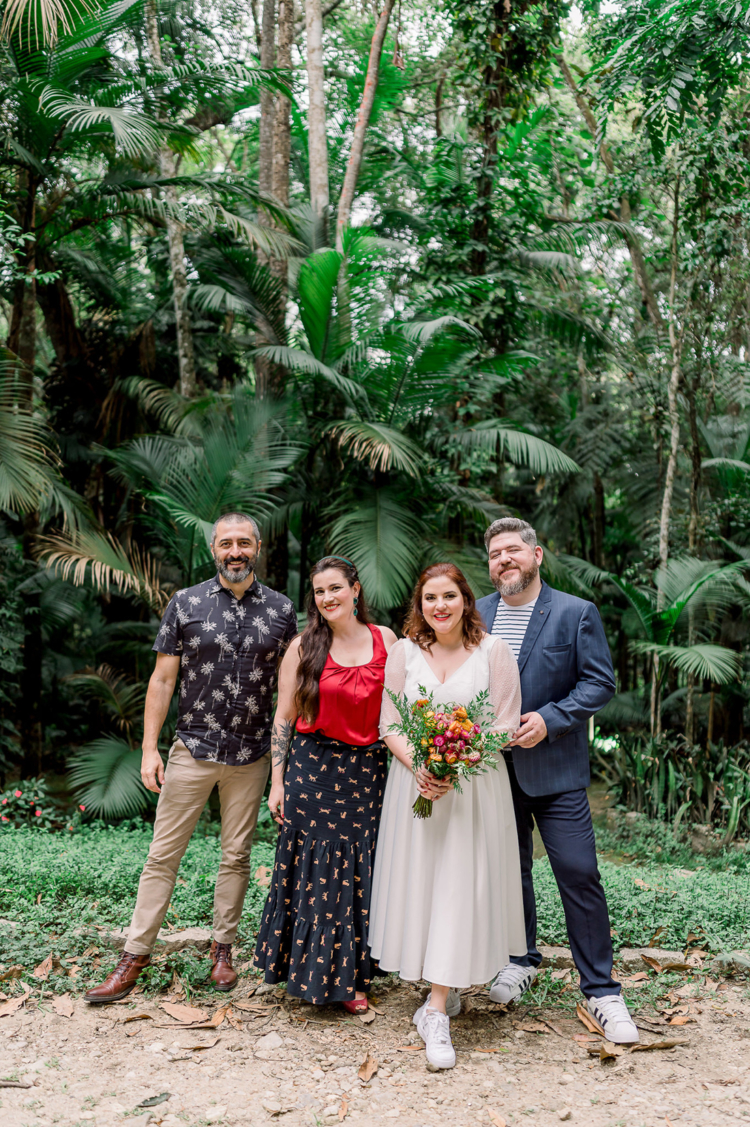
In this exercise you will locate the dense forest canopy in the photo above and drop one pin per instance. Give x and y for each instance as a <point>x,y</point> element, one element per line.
<point>378,275</point>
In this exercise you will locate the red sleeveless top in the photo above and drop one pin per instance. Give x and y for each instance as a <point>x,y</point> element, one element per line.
<point>350,698</point>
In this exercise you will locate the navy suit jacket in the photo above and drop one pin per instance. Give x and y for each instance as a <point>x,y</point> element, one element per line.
<point>566,676</point>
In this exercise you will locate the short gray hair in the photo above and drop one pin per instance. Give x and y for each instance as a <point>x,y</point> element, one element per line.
<point>235,518</point>
<point>511,524</point>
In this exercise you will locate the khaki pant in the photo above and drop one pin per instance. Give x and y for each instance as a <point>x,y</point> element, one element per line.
<point>188,783</point>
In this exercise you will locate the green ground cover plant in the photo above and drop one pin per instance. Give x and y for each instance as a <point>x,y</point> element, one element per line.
<point>62,894</point>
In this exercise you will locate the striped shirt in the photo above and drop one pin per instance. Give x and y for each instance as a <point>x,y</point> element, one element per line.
<point>511,622</point>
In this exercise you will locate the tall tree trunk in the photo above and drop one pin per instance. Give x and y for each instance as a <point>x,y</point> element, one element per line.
<point>316,114</point>
<point>363,120</point>
<point>22,330</point>
<point>267,61</point>
<point>439,105</point>
<point>282,112</point>
<point>634,247</point>
<point>175,237</point>
<point>675,344</point>
<point>696,461</point>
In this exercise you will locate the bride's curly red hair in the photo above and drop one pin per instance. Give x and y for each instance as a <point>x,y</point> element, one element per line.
<point>416,626</point>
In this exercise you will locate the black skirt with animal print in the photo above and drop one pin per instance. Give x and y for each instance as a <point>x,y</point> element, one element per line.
<point>313,935</point>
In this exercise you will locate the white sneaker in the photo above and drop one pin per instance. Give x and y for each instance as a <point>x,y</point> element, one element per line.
<point>435,1030</point>
<point>614,1018</point>
<point>511,983</point>
<point>452,1006</point>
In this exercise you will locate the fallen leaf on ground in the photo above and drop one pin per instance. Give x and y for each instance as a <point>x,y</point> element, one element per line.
<point>368,1068</point>
<point>668,1121</point>
<point>496,1118</point>
<point>640,1048</point>
<point>635,979</point>
<point>12,972</point>
<point>554,1028</point>
<point>73,972</point>
<point>680,1019</point>
<point>590,1022</point>
<point>530,1027</point>
<point>410,1049</point>
<point>583,1038</point>
<point>263,876</point>
<point>234,1021</point>
<point>642,884</point>
<point>204,1045</point>
<point>376,1010</point>
<point>657,935</point>
<point>131,1032</point>
<point>343,1108</point>
<point>182,1013</point>
<point>366,1018</point>
<point>677,966</point>
<point>254,1007</point>
<point>13,1004</point>
<point>137,1017</point>
<point>561,975</point>
<point>44,969</point>
<point>152,1101</point>
<point>14,1084</point>
<point>652,963</point>
<point>608,1051</point>
<point>63,1005</point>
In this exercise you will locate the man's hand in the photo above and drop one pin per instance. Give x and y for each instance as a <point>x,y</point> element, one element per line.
<point>532,731</point>
<point>152,769</point>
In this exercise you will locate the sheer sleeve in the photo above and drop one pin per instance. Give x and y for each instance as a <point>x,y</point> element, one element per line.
<point>395,679</point>
<point>505,687</point>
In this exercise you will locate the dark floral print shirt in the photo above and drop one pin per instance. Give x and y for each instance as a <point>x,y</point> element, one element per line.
<point>229,650</point>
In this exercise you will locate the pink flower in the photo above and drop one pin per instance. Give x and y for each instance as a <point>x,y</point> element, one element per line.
<point>460,745</point>
<point>439,741</point>
<point>4,819</point>
<point>18,793</point>
<point>5,802</point>
<point>476,729</point>
<point>474,757</point>
<point>37,814</point>
<point>81,807</point>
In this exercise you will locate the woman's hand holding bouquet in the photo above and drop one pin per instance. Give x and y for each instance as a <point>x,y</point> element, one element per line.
<point>448,742</point>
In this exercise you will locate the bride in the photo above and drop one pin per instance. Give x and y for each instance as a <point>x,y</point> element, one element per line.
<point>446,902</point>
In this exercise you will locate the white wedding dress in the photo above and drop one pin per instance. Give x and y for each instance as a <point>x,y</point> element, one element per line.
<point>446,899</point>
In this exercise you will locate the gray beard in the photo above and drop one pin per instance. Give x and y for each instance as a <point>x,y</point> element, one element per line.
<point>235,576</point>
<point>527,578</point>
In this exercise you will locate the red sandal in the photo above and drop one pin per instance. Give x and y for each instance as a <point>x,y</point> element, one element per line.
<point>356,1006</point>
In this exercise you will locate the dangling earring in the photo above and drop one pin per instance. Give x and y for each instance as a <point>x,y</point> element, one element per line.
<point>356,600</point>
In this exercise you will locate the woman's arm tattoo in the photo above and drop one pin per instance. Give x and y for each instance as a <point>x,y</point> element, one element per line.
<point>281,737</point>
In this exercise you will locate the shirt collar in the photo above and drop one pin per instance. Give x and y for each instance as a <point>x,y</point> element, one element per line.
<point>253,589</point>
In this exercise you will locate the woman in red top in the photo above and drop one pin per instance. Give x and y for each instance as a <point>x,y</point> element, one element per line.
<point>327,798</point>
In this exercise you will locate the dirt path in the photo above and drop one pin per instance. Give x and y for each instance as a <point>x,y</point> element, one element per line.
<point>299,1065</point>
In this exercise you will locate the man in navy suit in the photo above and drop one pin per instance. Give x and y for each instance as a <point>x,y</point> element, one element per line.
<point>566,676</point>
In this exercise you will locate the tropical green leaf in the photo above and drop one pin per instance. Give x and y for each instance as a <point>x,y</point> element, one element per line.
<point>522,448</point>
<point>106,776</point>
<point>377,533</point>
<point>715,663</point>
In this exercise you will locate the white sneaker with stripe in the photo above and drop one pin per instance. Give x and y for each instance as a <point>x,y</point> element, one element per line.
<point>614,1018</point>
<point>511,983</point>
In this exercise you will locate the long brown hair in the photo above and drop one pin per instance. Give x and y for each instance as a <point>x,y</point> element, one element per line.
<point>315,643</point>
<point>416,626</point>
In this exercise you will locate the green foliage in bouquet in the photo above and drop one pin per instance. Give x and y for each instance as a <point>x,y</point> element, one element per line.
<point>451,741</point>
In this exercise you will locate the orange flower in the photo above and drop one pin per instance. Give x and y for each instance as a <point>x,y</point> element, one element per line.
<point>421,703</point>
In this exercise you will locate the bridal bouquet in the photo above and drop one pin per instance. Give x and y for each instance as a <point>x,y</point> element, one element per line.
<point>451,741</point>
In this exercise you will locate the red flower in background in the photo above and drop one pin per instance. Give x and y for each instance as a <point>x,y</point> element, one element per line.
<point>18,793</point>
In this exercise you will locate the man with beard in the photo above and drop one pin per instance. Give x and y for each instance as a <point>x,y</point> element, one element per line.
<point>566,676</point>
<point>225,636</point>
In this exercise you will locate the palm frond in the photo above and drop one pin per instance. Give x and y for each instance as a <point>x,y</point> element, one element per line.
<point>27,460</point>
<point>522,448</point>
<point>95,557</point>
<point>122,699</point>
<point>715,663</point>
<point>377,533</point>
<point>382,447</point>
<point>106,776</point>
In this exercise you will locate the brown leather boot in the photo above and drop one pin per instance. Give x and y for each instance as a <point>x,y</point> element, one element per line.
<point>121,981</point>
<point>223,977</point>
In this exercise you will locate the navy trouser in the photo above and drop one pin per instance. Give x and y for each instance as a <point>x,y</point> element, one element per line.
<point>564,822</point>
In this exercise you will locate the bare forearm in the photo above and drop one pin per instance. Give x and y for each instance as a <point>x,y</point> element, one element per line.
<point>158,699</point>
<point>399,746</point>
<point>281,738</point>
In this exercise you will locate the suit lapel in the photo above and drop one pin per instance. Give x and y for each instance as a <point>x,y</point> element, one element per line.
<point>490,612</point>
<point>539,618</point>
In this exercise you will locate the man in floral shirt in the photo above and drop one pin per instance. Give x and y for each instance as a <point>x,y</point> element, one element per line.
<point>223,637</point>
